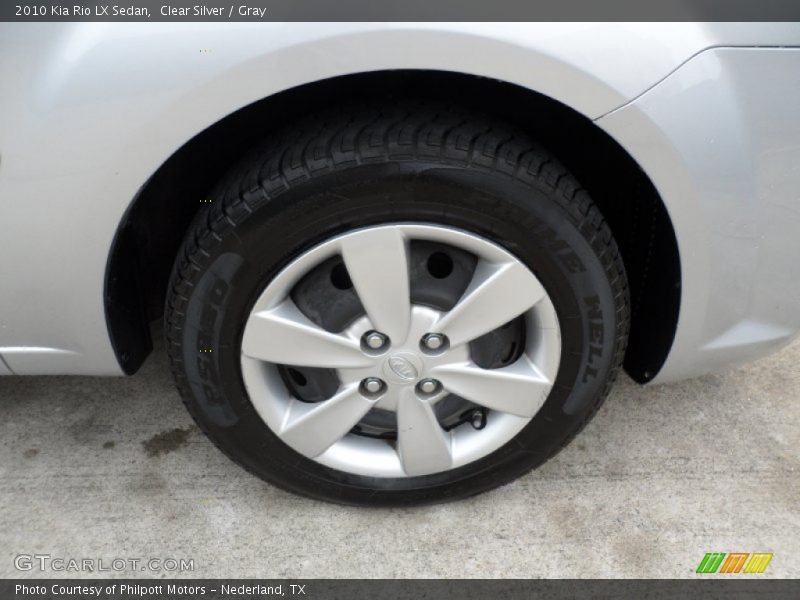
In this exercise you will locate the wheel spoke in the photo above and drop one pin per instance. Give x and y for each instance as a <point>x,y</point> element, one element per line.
<point>519,389</point>
<point>423,445</point>
<point>321,426</point>
<point>284,335</point>
<point>497,294</point>
<point>377,263</point>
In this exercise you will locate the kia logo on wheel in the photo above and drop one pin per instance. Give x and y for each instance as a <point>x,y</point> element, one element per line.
<point>403,368</point>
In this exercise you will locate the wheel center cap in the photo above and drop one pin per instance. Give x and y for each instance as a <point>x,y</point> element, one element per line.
<point>402,368</point>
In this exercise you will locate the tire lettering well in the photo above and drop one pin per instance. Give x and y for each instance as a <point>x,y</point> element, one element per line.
<point>596,335</point>
<point>562,250</point>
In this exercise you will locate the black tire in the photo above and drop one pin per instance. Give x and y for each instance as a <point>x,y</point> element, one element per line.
<point>366,166</point>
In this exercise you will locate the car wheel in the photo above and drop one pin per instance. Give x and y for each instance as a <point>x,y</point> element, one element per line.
<point>396,305</point>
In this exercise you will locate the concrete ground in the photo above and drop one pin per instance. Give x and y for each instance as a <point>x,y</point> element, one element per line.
<point>110,468</point>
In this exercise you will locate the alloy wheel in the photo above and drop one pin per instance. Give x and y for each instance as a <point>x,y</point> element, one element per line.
<point>398,379</point>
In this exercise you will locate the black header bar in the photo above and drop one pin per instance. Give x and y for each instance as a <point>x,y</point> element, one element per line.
<point>398,10</point>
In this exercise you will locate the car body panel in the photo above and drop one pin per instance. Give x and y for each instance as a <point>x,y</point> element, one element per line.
<point>720,139</point>
<point>91,111</point>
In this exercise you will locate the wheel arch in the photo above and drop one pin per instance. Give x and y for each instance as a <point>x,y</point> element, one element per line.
<point>148,238</point>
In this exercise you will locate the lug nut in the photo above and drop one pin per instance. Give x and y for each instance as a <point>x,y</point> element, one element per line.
<point>428,386</point>
<point>434,341</point>
<point>375,340</point>
<point>372,384</point>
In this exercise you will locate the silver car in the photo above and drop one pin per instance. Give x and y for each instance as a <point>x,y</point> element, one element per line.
<point>397,263</point>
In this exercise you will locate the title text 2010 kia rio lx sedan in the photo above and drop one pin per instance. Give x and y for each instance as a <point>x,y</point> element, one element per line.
<point>398,263</point>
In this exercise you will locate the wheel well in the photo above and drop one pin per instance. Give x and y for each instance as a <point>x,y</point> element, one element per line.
<point>149,237</point>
